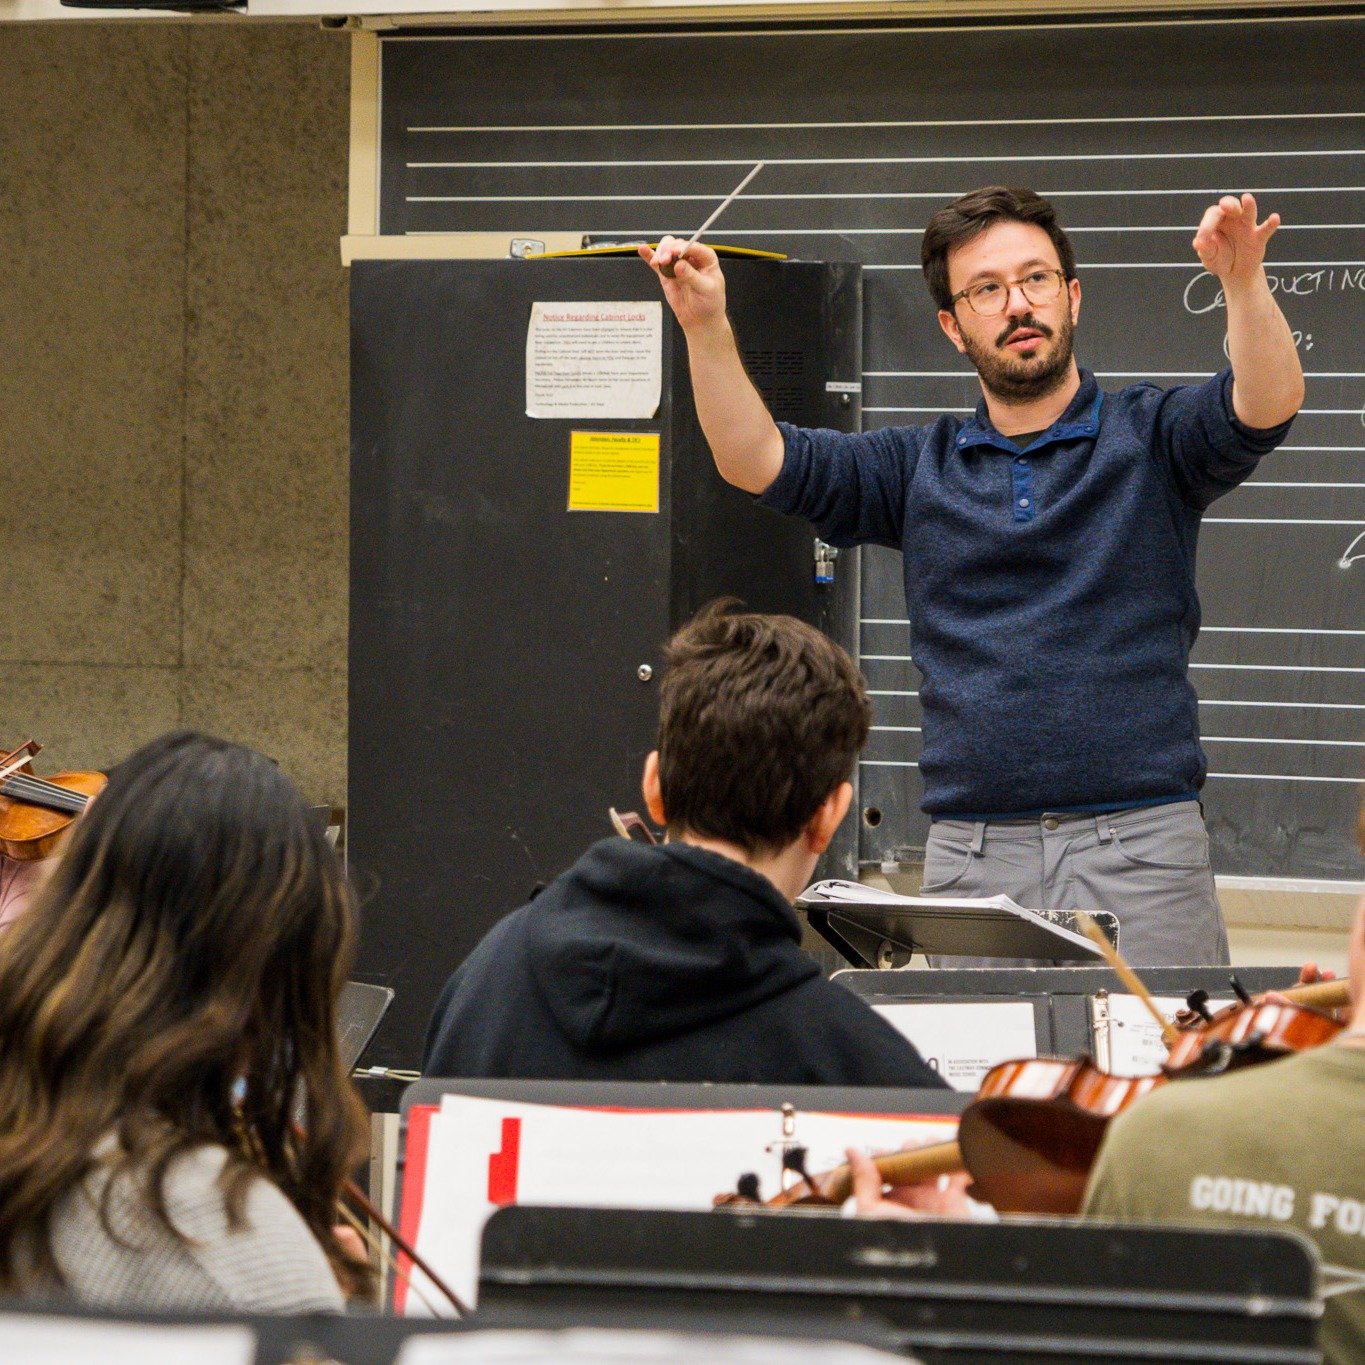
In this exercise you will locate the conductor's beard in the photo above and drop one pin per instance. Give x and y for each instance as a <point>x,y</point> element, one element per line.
<point>1019,379</point>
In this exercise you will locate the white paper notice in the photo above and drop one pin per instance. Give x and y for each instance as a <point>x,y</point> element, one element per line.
<point>594,359</point>
<point>628,1346</point>
<point>963,1041</point>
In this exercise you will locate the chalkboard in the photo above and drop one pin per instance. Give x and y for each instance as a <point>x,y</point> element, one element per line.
<point>1132,130</point>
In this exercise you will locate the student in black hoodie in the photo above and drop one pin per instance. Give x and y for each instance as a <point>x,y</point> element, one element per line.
<point>682,962</point>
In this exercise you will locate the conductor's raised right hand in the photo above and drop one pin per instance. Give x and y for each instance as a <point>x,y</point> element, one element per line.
<point>743,437</point>
<point>696,289</point>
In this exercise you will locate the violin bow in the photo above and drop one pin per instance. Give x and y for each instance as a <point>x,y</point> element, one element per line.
<point>1323,995</point>
<point>361,1200</point>
<point>12,762</point>
<point>350,1190</point>
<point>381,1253</point>
<point>1092,931</point>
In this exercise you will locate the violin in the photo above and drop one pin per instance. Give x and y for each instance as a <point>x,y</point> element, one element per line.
<point>1031,1135</point>
<point>1028,1141</point>
<point>36,811</point>
<point>1250,1031</point>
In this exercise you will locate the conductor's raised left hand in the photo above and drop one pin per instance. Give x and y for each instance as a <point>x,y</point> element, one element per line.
<point>1230,242</point>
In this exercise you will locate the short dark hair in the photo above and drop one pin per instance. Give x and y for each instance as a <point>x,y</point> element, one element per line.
<point>971,215</point>
<point>761,717</point>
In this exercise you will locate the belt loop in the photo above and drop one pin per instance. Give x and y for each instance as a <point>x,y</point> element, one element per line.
<point>1104,831</point>
<point>979,838</point>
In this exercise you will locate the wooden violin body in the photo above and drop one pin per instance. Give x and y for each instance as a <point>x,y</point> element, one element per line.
<point>1028,1140</point>
<point>36,812</point>
<point>1031,1135</point>
<point>1243,1035</point>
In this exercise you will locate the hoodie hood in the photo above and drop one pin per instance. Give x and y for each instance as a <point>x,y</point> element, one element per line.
<point>636,943</point>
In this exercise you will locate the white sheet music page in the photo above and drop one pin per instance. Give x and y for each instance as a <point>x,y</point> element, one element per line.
<point>481,1154</point>
<point>86,1341</point>
<point>620,1346</point>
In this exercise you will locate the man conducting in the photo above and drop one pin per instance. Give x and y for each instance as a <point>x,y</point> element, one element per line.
<point>1049,555</point>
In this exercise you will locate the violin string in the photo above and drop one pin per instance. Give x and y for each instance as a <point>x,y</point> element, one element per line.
<point>40,783</point>
<point>363,1205</point>
<point>362,1201</point>
<point>387,1260</point>
<point>42,798</point>
<point>32,780</point>
<point>44,793</point>
<point>36,789</point>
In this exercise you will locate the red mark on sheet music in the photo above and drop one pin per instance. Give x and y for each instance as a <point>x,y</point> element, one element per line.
<point>502,1166</point>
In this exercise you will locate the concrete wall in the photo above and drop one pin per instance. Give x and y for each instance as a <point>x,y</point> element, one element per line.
<point>173,390</point>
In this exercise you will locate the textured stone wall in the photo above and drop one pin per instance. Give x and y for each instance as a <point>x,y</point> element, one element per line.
<point>173,389</point>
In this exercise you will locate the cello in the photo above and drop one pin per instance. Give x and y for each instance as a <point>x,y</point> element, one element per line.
<point>35,811</point>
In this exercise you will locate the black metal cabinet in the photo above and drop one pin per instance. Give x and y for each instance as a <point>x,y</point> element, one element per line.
<point>505,652</point>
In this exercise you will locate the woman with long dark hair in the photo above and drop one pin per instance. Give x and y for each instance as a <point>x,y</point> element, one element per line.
<point>175,1120</point>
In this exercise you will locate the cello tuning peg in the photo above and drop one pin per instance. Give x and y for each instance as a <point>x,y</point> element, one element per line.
<point>1239,990</point>
<point>748,1188</point>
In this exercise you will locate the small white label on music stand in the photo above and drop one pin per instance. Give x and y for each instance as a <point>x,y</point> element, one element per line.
<point>962,1041</point>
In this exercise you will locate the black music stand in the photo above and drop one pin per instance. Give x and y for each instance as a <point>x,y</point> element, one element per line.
<point>866,931</point>
<point>1023,1290</point>
<point>360,1007</point>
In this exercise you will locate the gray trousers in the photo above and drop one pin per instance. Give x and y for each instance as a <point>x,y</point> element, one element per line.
<point>1150,867</point>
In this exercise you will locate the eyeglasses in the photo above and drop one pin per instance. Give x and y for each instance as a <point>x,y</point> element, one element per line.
<point>990,297</point>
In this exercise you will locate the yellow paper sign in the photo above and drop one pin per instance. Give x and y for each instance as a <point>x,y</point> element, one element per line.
<point>614,471</point>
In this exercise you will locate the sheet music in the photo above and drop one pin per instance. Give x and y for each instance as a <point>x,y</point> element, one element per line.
<point>83,1341</point>
<point>616,1346</point>
<point>481,1154</point>
<point>963,1040</point>
<point>1125,1037</point>
<point>837,891</point>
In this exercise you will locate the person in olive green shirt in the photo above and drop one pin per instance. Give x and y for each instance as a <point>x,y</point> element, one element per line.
<point>1281,1145</point>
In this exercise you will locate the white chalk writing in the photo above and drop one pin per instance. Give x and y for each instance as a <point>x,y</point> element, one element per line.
<point>1204,294</point>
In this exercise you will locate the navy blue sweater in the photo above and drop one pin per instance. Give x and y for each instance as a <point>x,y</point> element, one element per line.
<point>1050,591</point>
<point>659,964</point>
